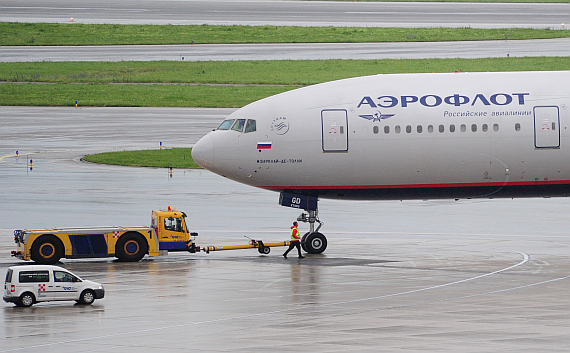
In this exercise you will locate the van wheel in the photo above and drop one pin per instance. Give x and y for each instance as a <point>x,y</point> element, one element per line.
<point>87,297</point>
<point>27,299</point>
<point>131,247</point>
<point>47,250</point>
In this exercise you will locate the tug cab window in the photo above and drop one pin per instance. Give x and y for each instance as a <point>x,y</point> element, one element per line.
<point>238,125</point>
<point>226,124</point>
<point>250,125</point>
<point>173,224</point>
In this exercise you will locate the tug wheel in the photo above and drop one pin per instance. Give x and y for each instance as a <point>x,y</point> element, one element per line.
<point>131,247</point>
<point>47,250</point>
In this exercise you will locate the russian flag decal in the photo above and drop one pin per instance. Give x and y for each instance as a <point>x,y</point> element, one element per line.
<point>264,145</point>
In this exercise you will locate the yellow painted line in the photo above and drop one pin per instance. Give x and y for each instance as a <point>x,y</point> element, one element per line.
<point>2,158</point>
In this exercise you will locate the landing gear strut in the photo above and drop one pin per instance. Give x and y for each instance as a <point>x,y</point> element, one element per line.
<point>312,242</point>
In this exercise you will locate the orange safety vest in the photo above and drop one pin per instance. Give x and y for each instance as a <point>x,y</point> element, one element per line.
<point>295,234</point>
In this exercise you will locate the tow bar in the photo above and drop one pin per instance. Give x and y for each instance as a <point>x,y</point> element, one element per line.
<point>263,248</point>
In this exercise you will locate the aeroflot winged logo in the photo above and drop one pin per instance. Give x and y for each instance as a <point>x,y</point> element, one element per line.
<point>376,116</point>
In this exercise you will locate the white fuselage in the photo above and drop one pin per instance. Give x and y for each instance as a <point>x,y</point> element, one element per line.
<point>405,136</point>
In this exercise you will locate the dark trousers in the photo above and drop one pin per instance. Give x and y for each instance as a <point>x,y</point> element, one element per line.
<point>294,244</point>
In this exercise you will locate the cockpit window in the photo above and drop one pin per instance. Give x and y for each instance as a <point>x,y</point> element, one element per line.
<point>250,126</point>
<point>226,124</point>
<point>238,125</point>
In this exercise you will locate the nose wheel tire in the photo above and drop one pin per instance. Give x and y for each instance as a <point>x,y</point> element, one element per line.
<point>315,243</point>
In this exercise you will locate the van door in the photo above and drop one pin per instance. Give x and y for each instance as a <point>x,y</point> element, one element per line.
<point>38,282</point>
<point>66,286</point>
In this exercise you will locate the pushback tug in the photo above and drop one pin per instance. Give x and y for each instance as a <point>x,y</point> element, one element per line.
<point>167,232</point>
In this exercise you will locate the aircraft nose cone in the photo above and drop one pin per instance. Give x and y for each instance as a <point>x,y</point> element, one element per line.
<point>203,152</point>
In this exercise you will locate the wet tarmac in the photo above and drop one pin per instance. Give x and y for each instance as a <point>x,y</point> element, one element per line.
<point>290,13</point>
<point>474,276</point>
<point>287,51</point>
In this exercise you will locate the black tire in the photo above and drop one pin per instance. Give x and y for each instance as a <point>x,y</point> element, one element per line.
<point>87,297</point>
<point>315,243</point>
<point>303,239</point>
<point>47,250</point>
<point>27,299</point>
<point>131,247</point>
<point>266,250</point>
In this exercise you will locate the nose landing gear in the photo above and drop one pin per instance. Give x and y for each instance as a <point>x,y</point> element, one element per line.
<point>312,242</point>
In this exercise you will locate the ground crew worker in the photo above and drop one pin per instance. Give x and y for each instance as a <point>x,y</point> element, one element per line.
<point>295,241</point>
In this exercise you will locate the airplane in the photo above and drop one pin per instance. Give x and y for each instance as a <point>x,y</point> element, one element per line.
<point>400,137</point>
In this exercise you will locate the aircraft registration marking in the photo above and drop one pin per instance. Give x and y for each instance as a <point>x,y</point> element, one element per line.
<point>280,161</point>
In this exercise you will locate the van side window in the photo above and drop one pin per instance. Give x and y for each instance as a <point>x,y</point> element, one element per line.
<point>60,276</point>
<point>34,276</point>
<point>250,126</point>
<point>9,276</point>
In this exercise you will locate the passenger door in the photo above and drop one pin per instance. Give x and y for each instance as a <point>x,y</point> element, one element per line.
<point>334,130</point>
<point>546,127</point>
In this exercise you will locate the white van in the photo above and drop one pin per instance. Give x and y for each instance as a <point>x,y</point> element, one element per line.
<point>27,285</point>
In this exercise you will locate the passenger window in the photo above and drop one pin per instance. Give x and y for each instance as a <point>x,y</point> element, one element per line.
<point>238,125</point>
<point>496,127</point>
<point>60,276</point>
<point>386,129</point>
<point>34,276</point>
<point>463,128</point>
<point>484,128</point>
<point>451,128</point>
<point>474,127</point>
<point>430,128</point>
<point>375,129</point>
<point>441,128</point>
<point>397,129</point>
<point>408,129</point>
<point>517,127</point>
<point>250,126</point>
<point>226,124</point>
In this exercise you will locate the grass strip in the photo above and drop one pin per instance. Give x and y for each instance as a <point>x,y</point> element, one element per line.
<point>13,33</point>
<point>278,72</point>
<point>163,158</point>
<point>290,74</point>
<point>106,95</point>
